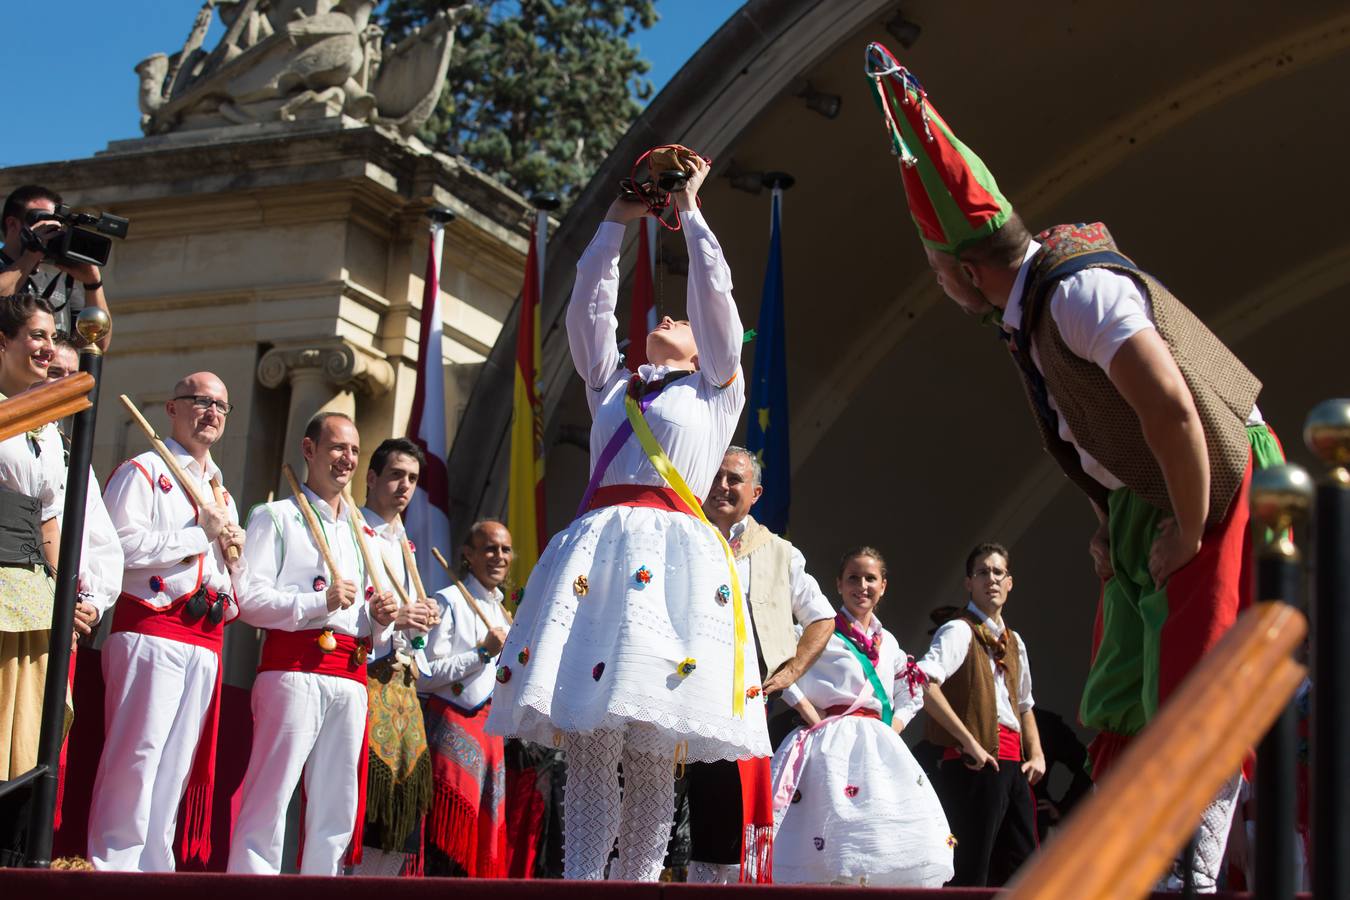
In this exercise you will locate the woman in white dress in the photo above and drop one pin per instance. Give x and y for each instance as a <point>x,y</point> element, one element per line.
<point>852,804</point>
<point>625,646</point>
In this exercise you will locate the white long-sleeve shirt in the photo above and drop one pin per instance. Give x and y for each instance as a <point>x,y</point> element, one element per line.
<point>281,564</point>
<point>1096,311</point>
<point>948,651</point>
<point>838,679</point>
<point>157,528</point>
<point>695,417</point>
<point>454,671</point>
<point>386,539</point>
<point>101,558</point>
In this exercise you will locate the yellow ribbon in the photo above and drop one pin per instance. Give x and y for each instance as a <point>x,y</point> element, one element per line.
<point>662,464</point>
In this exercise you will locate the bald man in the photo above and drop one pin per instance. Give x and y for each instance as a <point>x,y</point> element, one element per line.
<point>161,665</point>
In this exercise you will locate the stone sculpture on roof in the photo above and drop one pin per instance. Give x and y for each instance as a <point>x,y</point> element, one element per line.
<point>287,60</point>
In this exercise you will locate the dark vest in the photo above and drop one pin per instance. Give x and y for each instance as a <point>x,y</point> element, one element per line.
<point>970,691</point>
<point>1102,422</point>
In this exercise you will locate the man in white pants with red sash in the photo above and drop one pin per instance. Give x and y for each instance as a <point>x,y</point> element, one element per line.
<point>161,665</point>
<point>309,700</point>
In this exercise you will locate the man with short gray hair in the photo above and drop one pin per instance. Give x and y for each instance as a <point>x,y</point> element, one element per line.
<point>778,590</point>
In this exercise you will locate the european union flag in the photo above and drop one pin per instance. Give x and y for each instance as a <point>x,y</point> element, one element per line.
<point>766,434</point>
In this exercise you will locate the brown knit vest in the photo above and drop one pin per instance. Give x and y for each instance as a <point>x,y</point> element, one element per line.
<point>970,692</point>
<point>1102,422</point>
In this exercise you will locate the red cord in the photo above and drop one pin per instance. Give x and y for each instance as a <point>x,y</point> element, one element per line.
<point>656,200</point>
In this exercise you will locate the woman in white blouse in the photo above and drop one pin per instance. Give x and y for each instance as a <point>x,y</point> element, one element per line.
<point>852,804</point>
<point>32,494</point>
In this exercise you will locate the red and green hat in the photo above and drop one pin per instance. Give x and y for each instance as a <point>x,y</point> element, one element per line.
<point>952,196</point>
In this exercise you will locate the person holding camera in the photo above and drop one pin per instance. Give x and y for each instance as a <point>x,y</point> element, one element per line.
<point>162,662</point>
<point>30,229</point>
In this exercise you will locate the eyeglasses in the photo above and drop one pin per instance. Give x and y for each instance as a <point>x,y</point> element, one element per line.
<point>202,402</point>
<point>992,574</point>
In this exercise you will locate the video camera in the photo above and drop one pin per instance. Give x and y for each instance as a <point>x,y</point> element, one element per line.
<point>73,243</point>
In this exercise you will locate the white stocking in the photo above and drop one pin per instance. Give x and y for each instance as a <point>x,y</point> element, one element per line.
<point>648,805</point>
<point>1211,837</point>
<point>714,873</point>
<point>591,803</point>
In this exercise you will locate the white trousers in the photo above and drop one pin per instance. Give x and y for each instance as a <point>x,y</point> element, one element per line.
<point>310,726</point>
<point>156,694</point>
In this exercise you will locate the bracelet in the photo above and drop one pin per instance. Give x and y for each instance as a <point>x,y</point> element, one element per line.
<point>483,655</point>
<point>93,285</point>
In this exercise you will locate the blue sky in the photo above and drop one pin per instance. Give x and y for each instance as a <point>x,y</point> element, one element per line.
<point>71,87</point>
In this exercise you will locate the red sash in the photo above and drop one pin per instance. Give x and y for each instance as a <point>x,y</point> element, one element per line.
<point>467,821</point>
<point>1009,746</point>
<point>299,651</point>
<point>639,495</point>
<point>131,614</point>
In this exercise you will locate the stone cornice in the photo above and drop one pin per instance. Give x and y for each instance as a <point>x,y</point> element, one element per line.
<point>343,364</point>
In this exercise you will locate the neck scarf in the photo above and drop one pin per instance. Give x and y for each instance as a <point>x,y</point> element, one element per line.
<point>870,646</point>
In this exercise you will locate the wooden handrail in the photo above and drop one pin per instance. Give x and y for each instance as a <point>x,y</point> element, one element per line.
<point>45,403</point>
<point>1123,838</point>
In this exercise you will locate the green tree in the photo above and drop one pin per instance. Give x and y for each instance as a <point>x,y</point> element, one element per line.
<point>538,91</point>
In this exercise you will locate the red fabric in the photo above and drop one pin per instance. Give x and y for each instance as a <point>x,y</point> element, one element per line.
<point>1009,747</point>
<point>860,711</point>
<point>466,821</point>
<point>133,615</point>
<point>525,808</point>
<point>756,820</point>
<point>639,495</point>
<point>299,651</point>
<point>644,295</point>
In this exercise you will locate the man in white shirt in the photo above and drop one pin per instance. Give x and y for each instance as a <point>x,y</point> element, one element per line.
<point>466,830</point>
<point>161,664</point>
<point>1143,407</point>
<point>779,590</point>
<point>398,784</point>
<point>309,699</point>
<point>983,718</point>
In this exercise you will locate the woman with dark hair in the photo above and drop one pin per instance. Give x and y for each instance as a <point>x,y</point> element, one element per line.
<point>851,803</point>
<point>32,496</point>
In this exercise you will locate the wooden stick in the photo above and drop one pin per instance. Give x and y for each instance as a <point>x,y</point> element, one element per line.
<point>408,561</point>
<point>473,604</point>
<point>372,573</point>
<point>403,597</point>
<point>158,445</point>
<point>46,403</point>
<point>232,552</point>
<point>315,531</point>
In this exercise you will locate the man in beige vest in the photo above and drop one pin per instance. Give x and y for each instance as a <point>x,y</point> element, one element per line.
<point>979,706</point>
<point>779,590</point>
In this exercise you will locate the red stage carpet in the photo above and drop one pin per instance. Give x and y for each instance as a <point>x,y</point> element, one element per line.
<point>206,886</point>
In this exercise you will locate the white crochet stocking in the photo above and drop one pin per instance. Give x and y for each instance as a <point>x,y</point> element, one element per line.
<point>1211,837</point>
<point>591,803</point>
<point>714,873</point>
<point>648,811</point>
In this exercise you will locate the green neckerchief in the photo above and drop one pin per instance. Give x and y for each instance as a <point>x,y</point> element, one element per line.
<point>870,671</point>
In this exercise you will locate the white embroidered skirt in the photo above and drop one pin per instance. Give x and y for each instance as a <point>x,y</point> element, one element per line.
<point>617,602</point>
<point>864,812</point>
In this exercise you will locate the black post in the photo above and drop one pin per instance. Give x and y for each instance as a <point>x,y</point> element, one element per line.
<point>1277,578</point>
<point>1330,701</point>
<point>92,325</point>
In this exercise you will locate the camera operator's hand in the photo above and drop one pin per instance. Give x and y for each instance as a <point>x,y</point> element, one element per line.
<point>624,211</point>
<point>687,199</point>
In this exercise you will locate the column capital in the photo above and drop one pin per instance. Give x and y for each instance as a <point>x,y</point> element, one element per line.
<point>344,365</point>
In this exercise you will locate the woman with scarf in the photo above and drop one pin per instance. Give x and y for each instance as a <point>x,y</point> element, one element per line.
<point>852,804</point>
<point>631,642</point>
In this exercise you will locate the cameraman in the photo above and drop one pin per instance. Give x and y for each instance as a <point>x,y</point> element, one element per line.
<point>22,254</point>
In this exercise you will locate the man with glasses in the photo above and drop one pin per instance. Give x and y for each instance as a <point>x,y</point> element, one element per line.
<point>979,705</point>
<point>161,665</point>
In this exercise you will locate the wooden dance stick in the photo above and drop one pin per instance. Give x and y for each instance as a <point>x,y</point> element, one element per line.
<point>232,552</point>
<point>46,403</point>
<point>372,573</point>
<point>182,477</point>
<point>408,561</point>
<point>473,604</point>
<point>315,531</point>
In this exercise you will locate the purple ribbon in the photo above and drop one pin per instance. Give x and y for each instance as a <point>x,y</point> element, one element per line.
<point>616,442</point>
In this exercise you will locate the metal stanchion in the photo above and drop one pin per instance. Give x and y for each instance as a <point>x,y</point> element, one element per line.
<point>1327,434</point>
<point>1280,498</point>
<point>92,324</point>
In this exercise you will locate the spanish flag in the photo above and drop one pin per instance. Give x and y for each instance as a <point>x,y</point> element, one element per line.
<point>525,500</point>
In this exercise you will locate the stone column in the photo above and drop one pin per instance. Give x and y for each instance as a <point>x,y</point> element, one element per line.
<point>325,376</point>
